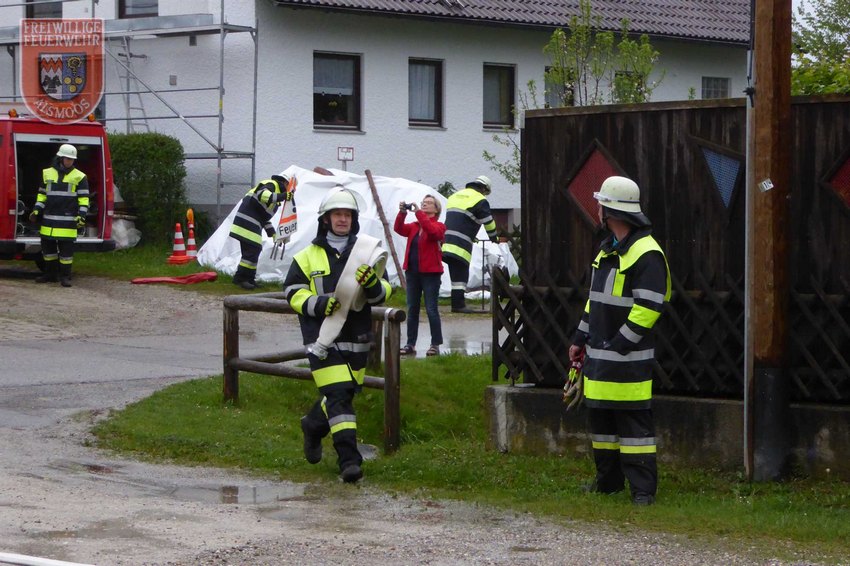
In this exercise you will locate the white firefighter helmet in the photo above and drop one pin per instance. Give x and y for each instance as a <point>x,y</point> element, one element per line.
<point>484,182</point>
<point>619,193</point>
<point>67,150</point>
<point>339,197</point>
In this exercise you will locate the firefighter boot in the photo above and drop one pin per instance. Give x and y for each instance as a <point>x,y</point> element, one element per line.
<point>458,301</point>
<point>351,473</point>
<point>50,272</point>
<point>312,445</point>
<point>65,275</point>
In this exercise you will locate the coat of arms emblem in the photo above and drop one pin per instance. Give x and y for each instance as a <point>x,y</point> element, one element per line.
<point>63,76</point>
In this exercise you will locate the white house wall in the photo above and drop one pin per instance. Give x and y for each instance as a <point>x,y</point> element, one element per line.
<point>387,145</point>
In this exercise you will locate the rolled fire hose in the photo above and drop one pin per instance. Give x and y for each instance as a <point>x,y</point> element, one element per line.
<point>349,293</point>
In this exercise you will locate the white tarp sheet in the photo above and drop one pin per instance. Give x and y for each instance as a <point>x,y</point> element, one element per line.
<point>221,252</point>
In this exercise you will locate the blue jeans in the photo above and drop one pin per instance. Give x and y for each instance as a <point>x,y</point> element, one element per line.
<point>417,283</point>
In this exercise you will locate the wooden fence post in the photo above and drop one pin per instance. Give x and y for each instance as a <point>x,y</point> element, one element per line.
<point>230,351</point>
<point>392,382</point>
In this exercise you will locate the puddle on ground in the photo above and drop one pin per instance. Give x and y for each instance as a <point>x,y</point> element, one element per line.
<point>468,347</point>
<point>242,495</point>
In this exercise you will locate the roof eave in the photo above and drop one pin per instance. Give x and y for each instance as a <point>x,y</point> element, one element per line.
<point>491,23</point>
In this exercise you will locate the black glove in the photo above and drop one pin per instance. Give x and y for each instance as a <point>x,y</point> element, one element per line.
<point>35,217</point>
<point>270,231</point>
<point>326,305</point>
<point>286,196</point>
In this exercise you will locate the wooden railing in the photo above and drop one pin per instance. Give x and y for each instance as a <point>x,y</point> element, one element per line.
<point>386,323</point>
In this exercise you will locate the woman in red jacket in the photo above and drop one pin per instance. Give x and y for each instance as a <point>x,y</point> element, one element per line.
<point>423,268</point>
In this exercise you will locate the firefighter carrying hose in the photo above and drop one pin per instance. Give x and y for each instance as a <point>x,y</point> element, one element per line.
<point>466,210</point>
<point>61,207</point>
<point>253,217</point>
<point>314,287</point>
<point>629,285</point>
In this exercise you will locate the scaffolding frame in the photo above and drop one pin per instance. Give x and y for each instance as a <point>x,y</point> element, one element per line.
<point>179,26</point>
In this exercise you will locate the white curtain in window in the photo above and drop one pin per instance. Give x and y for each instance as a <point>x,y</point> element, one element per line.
<point>422,89</point>
<point>333,76</point>
<point>495,95</point>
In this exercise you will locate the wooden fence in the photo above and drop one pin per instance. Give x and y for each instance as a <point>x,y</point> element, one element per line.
<point>386,322</point>
<point>689,160</point>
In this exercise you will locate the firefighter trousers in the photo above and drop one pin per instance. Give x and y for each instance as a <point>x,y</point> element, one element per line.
<point>334,412</point>
<point>57,252</point>
<point>459,275</point>
<point>624,449</point>
<point>247,268</point>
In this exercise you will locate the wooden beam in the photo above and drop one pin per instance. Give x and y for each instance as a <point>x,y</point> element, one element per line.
<point>769,218</point>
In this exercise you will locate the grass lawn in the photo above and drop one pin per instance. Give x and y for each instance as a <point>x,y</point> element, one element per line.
<point>443,455</point>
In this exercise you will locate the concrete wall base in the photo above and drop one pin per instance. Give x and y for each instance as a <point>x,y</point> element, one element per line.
<point>706,433</point>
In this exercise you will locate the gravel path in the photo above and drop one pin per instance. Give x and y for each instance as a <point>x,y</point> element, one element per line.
<point>63,500</point>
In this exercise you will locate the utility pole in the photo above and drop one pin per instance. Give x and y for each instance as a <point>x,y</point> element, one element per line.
<point>766,395</point>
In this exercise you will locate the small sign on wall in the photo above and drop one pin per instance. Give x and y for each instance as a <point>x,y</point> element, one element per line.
<point>345,154</point>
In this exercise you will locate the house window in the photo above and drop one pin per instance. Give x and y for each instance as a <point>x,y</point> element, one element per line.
<point>560,90</point>
<point>137,8</point>
<point>425,92</point>
<point>336,90</point>
<point>498,96</point>
<point>715,87</point>
<point>38,9</point>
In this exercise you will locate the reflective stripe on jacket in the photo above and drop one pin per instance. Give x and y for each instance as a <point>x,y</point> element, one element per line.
<point>60,202</point>
<point>466,210</point>
<point>255,212</point>
<point>629,286</point>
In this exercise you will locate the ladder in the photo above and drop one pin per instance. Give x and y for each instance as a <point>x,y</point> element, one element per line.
<point>134,107</point>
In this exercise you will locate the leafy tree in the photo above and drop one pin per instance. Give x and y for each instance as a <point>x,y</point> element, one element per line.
<point>589,66</point>
<point>821,47</point>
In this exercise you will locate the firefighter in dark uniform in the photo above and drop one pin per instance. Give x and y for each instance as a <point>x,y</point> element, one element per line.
<point>253,217</point>
<point>61,207</point>
<point>309,287</point>
<point>630,284</point>
<point>466,211</point>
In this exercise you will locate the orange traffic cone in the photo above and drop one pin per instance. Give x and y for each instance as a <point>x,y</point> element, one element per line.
<point>178,253</point>
<point>191,248</point>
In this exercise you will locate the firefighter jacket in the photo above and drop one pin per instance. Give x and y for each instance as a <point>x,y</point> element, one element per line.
<point>315,273</point>
<point>466,210</point>
<point>431,232</point>
<point>255,212</point>
<point>630,284</point>
<point>63,196</point>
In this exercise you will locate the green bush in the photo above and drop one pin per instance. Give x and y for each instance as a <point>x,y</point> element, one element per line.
<point>149,171</point>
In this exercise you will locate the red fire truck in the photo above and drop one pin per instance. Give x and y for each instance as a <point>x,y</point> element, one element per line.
<point>28,145</point>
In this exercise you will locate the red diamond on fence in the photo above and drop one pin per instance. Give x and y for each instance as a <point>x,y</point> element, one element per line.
<point>587,181</point>
<point>840,182</point>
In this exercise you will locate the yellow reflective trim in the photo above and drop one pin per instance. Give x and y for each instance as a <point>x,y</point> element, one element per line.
<point>313,260</point>
<point>605,445</point>
<point>587,306</point>
<point>643,316</point>
<point>651,449</point>
<point>464,199</point>
<point>388,289</point>
<point>619,281</point>
<point>348,425</point>
<point>248,234</point>
<point>615,391</point>
<point>458,251</point>
<point>331,375</point>
<point>298,299</point>
<point>359,375</point>
<point>70,233</point>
